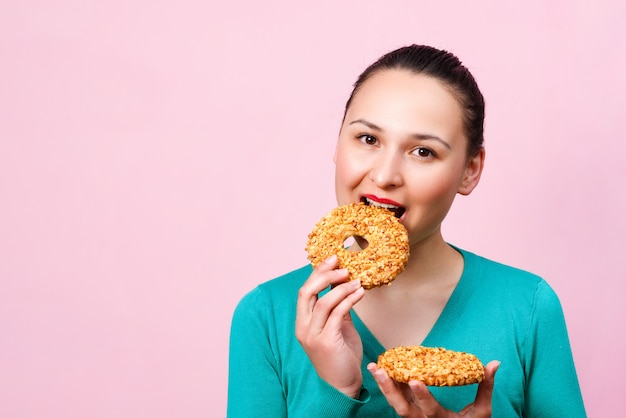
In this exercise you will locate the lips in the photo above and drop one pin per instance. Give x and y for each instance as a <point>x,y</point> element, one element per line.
<point>388,204</point>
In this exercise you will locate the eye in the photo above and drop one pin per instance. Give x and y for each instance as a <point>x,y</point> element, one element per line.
<point>368,139</point>
<point>424,152</point>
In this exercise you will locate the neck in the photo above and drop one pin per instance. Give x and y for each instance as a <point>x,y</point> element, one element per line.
<point>432,263</point>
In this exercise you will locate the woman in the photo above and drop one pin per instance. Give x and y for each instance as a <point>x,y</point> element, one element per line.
<point>306,344</point>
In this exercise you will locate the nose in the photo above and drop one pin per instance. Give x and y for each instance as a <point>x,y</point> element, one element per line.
<point>386,171</point>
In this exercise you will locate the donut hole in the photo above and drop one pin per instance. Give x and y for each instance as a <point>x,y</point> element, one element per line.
<point>351,240</point>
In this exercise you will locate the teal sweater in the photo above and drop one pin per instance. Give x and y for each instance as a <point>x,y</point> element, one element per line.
<point>496,312</point>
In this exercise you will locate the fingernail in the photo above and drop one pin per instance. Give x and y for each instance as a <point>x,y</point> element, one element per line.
<point>375,375</point>
<point>414,385</point>
<point>331,259</point>
<point>378,376</point>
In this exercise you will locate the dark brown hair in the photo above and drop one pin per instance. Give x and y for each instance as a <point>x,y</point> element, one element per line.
<point>446,67</point>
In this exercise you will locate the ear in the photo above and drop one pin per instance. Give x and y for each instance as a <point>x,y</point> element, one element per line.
<point>472,173</point>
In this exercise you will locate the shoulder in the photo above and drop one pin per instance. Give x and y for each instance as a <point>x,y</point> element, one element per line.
<point>495,277</point>
<point>491,267</point>
<point>288,282</point>
<point>265,319</point>
<point>279,291</point>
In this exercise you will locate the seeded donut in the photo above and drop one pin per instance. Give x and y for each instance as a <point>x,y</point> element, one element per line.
<point>385,255</point>
<point>433,366</point>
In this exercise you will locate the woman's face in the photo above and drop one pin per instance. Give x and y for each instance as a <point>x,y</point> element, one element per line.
<point>402,145</point>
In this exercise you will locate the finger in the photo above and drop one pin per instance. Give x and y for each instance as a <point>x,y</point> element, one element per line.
<point>323,275</point>
<point>394,395</point>
<point>330,309</point>
<point>341,312</point>
<point>425,401</point>
<point>485,388</point>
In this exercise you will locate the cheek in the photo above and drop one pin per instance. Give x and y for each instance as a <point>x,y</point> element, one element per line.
<point>436,189</point>
<point>346,169</point>
<point>348,175</point>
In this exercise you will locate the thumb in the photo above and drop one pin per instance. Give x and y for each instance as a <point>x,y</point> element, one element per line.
<point>485,388</point>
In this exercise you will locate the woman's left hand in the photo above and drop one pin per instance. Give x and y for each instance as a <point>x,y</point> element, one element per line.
<point>414,400</point>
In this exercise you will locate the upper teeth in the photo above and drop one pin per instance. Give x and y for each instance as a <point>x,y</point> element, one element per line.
<point>382,205</point>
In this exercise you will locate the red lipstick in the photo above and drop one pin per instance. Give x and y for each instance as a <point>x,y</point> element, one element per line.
<point>382,200</point>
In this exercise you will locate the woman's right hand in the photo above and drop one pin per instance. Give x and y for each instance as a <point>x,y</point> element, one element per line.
<point>414,400</point>
<point>325,330</point>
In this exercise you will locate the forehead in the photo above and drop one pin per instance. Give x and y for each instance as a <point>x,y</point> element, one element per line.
<point>404,99</point>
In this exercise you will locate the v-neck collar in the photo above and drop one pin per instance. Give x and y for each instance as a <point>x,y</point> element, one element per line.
<point>453,309</point>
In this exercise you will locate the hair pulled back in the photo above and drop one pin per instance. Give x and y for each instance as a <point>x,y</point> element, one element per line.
<point>447,68</point>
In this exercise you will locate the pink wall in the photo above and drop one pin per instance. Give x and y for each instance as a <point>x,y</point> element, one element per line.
<point>159,159</point>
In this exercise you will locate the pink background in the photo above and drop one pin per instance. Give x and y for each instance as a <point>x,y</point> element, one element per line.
<point>159,159</point>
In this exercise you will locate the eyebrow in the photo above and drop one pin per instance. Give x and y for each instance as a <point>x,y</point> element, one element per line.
<point>418,136</point>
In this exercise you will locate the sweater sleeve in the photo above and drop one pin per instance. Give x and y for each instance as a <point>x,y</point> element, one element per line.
<point>254,386</point>
<point>328,402</point>
<point>260,351</point>
<point>552,388</point>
